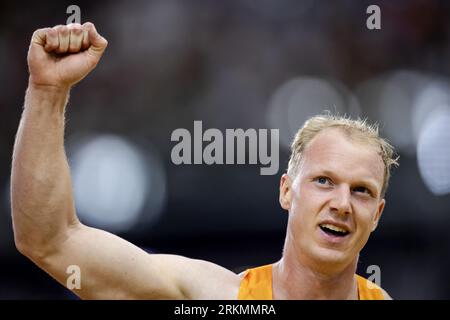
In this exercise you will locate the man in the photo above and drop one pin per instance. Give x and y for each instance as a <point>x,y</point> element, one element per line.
<point>333,190</point>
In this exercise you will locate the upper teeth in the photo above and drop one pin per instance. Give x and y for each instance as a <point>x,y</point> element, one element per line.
<point>333,227</point>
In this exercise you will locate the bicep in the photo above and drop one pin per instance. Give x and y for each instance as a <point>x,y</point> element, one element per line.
<point>112,268</point>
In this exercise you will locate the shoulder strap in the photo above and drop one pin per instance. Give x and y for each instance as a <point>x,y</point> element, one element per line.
<point>367,290</point>
<point>256,284</point>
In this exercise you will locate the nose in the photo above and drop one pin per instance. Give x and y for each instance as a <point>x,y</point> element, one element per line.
<point>341,201</point>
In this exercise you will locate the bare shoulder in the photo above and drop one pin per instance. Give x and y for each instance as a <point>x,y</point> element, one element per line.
<point>113,268</point>
<point>201,279</point>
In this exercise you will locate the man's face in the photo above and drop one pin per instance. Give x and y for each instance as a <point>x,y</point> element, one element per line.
<point>334,200</point>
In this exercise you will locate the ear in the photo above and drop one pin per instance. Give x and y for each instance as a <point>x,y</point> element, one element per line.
<point>377,216</point>
<point>285,191</point>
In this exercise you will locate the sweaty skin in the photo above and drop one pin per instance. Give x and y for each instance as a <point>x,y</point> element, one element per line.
<point>47,230</point>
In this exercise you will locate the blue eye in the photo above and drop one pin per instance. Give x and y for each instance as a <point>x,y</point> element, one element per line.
<point>322,180</point>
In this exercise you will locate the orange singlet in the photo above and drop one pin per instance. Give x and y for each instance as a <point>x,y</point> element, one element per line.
<point>257,285</point>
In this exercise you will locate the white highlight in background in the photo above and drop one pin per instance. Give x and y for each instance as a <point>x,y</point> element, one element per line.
<point>110,182</point>
<point>433,151</point>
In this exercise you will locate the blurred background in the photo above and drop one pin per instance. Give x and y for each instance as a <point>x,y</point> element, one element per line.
<point>240,64</point>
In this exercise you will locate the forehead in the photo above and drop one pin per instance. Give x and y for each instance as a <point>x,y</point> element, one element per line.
<point>332,150</point>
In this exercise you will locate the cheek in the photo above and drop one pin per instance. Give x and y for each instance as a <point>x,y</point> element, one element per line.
<point>363,220</point>
<point>366,215</point>
<point>306,203</point>
<point>310,197</point>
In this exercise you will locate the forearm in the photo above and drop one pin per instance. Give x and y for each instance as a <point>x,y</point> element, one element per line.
<point>41,192</point>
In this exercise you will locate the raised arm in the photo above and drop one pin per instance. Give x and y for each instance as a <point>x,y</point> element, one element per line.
<point>46,228</point>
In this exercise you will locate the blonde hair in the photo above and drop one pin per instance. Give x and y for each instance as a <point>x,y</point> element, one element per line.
<point>360,129</point>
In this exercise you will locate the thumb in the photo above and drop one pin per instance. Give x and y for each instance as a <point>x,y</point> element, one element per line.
<point>40,37</point>
<point>38,42</point>
<point>97,42</point>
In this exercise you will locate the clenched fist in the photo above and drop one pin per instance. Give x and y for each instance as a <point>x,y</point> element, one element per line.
<point>63,55</point>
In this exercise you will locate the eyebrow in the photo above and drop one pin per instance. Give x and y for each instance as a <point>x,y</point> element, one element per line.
<point>368,183</point>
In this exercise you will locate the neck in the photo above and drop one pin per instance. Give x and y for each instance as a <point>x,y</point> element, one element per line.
<point>295,279</point>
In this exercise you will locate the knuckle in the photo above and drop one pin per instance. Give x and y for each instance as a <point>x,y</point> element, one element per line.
<point>88,26</point>
<point>51,32</point>
<point>76,28</point>
<point>64,30</point>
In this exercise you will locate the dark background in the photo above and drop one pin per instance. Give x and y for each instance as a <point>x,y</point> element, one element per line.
<point>243,64</point>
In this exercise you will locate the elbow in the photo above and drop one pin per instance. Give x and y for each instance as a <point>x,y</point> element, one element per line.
<point>39,247</point>
<point>23,245</point>
<point>20,246</point>
<point>21,238</point>
<point>31,249</point>
<point>27,250</point>
<point>39,242</point>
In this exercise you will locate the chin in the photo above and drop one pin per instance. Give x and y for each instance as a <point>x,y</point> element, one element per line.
<point>331,260</point>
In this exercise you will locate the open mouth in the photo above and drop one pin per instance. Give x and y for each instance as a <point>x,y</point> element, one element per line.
<point>333,230</point>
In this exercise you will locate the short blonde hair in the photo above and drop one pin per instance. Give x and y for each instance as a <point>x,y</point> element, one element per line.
<point>359,129</point>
